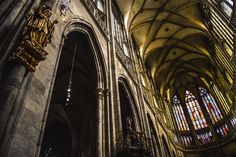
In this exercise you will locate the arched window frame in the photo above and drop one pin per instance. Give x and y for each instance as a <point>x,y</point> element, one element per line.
<point>179,115</point>
<point>211,106</point>
<point>226,6</point>
<point>100,5</point>
<point>195,111</point>
<point>119,30</point>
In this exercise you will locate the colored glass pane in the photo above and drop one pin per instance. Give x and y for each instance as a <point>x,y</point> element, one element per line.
<point>195,111</point>
<point>222,131</point>
<point>211,105</point>
<point>205,137</point>
<point>179,115</point>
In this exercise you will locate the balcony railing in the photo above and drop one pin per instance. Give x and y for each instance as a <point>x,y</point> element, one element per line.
<point>97,14</point>
<point>127,62</point>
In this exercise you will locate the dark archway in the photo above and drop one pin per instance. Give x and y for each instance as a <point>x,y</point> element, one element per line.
<point>59,141</point>
<point>127,108</point>
<point>75,90</point>
<point>155,143</point>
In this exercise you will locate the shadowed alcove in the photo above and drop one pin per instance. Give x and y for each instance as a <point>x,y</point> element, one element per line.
<point>75,93</point>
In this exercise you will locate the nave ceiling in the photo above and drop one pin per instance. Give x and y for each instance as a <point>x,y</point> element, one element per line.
<point>172,40</point>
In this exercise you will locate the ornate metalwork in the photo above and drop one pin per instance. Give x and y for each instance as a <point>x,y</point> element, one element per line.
<point>36,34</point>
<point>134,144</point>
<point>98,15</point>
<point>126,61</point>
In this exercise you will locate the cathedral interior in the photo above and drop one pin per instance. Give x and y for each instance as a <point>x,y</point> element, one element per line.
<point>117,78</point>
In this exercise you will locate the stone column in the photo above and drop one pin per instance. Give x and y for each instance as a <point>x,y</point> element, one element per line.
<point>8,96</point>
<point>100,103</point>
<point>115,123</point>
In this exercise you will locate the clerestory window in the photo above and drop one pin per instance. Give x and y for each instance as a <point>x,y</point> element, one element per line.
<point>211,105</point>
<point>195,111</point>
<point>179,115</point>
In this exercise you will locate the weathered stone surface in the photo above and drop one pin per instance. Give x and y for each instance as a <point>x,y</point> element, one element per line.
<point>28,131</point>
<point>23,144</point>
<point>37,89</point>
<point>16,153</point>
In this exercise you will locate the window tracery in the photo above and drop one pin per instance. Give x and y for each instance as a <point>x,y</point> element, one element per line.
<point>195,111</point>
<point>211,105</point>
<point>227,6</point>
<point>179,115</point>
<point>99,4</point>
<point>205,137</point>
<point>222,131</point>
<point>186,140</point>
<point>233,121</point>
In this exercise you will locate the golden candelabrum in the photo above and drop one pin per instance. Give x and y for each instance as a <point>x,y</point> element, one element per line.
<point>37,33</point>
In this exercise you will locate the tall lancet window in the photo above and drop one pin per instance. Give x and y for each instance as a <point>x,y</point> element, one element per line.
<point>227,6</point>
<point>211,106</point>
<point>179,115</point>
<point>195,111</point>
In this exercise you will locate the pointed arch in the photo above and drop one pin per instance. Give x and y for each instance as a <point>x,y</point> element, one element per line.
<point>195,111</point>
<point>179,115</point>
<point>128,105</point>
<point>210,105</point>
<point>80,53</point>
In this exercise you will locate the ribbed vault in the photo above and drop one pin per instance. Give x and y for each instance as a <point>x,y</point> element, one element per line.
<point>172,39</point>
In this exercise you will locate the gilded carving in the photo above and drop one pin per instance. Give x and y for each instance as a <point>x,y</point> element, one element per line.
<point>134,143</point>
<point>36,34</point>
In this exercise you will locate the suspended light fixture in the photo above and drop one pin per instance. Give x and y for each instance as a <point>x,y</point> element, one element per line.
<point>69,87</point>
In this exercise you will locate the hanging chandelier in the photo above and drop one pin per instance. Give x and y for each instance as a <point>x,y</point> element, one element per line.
<point>69,86</point>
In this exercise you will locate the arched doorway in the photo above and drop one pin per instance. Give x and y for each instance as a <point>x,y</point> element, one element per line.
<point>59,141</point>
<point>129,117</point>
<point>75,91</point>
<point>155,143</point>
<point>126,111</point>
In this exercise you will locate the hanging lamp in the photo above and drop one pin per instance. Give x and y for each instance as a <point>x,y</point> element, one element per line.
<point>69,87</point>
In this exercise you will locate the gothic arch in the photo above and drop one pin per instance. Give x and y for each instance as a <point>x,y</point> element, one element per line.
<point>125,90</point>
<point>79,82</point>
<point>59,134</point>
<point>76,24</point>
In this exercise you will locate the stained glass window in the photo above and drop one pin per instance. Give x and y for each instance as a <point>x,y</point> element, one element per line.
<point>211,106</point>
<point>179,115</point>
<point>227,6</point>
<point>195,111</point>
<point>233,121</point>
<point>205,137</point>
<point>222,131</point>
<point>222,99</point>
<point>186,140</point>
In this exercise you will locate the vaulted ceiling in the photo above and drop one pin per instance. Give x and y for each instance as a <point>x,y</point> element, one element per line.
<point>172,39</point>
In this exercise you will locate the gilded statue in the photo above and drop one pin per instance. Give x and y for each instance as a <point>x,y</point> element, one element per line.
<point>39,26</point>
<point>37,33</point>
